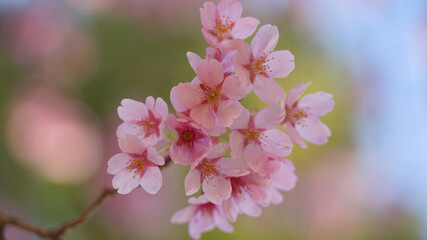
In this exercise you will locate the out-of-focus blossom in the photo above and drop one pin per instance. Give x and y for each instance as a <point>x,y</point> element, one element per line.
<point>213,172</point>
<point>257,138</point>
<point>49,133</point>
<point>302,118</point>
<point>258,64</point>
<point>210,96</point>
<point>136,165</point>
<point>43,39</point>
<point>146,121</point>
<point>192,144</point>
<point>203,216</point>
<point>223,23</point>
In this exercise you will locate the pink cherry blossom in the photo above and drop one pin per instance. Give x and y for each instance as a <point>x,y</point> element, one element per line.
<point>257,138</point>
<point>136,165</point>
<point>184,112</point>
<point>213,172</point>
<point>146,121</point>
<point>224,57</point>
<point>192,144</point>
<point>210,96</point>
<point>223,23</point>
<point>302,118</point>
<point>258,64</point>
<point>203,217</point>
<point>247,193</point>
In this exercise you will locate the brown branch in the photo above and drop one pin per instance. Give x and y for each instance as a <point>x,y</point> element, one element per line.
<point>56,234</point>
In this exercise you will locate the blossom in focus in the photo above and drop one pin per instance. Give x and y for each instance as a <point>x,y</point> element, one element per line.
<point>203,216</point>
<point>213,172</point>
<point>224,57</point>
<point>136,165</point>
<point>256,139</point>
<point>223,23</point>
<point>146,121</point>
<point>302,118</point>
<point>210,96</point>
<point>258,64</point>
<point>192,144</point>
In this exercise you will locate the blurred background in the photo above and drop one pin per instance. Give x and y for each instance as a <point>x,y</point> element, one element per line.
<point>65,65</point>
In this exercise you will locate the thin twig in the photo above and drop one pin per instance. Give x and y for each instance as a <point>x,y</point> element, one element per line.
<point>56,234</point>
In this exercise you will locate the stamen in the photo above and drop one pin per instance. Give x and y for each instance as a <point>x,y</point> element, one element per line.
<point>260,66</point>
<point>254,136</point>
<point>136,165</point>
<point>223,26</point>
<point>187,137</point>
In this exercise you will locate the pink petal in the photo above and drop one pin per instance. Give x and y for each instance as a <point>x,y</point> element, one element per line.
<point>151,181</point>
<point>199,224</point>
<point>284,178</point>
<point>281,64</point>
<point>228,111</point>
<point>161,109</point>
<point>265,40</point>
<point>198,200</point>
<point>244,27</point>
<point>231,167</point>
<point>222,223</point>
<point>149,102</point>
<point>231,9</point>
<point>208,15</point>
<point>184,215</point>
<point>294,135</point>
<point>192,182</point>
<point>269,117</point>
<point>230,209</point>
<point>189,94</point>
<point>277,143</point>
<point>171,121</point>
<point>218,150</point>
<point>276,198</point>
<point>295,93</point>
<point>125,181</point>
<point>193,59</point>
<point>210,72</point>
<point>176,102</point>
<point>314,131</point>
<point>242,121</point>
<point>248,206</point>
<point>256,159</point>
<point>117,163</point>
<point>234,88</point>
<point>216,188</point>
<point>236,144</point>
<point>242,59</point>
<point>204,115</point>
<point>211,38</point>
<point>132,110</point>
<point>131,144</point>
<point>217,130</point>
<point>268,90</point>
<point>319,103</point>
<point>154,157</point>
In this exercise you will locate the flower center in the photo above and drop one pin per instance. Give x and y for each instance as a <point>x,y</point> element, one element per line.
<point>136,165</point>
<point>223,26</point>
<point>187,138</point>
<point>254,136</point>
<point>148,126</point>
<point>212,96</point>
<point>260,66</point>
<point>298,115</point>
<point>209,170</point>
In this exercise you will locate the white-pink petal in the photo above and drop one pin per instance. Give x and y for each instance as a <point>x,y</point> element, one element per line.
<point>236,144</point>
<point>218,150</point>
<point>192,182</point>
<point>125,181</point>
<point>294,135</point>
<point>234,88</point>
<point>131,144</point>
<point>244,27</point>
<point>318,104</point>
<point>231,167</point>
<point>184,215</point>
<point>117,163</point>
<point>277,143</point>
<point>269,117</point>
<point>193,59</point>
<point>281,64</point>
<point>216,188</point>
<point>204,115</point>
<point>295,93</point>
<point>151,181</point>
<point>189,94</point>
<point>208,15</point>
<point>314,131</point>
<point>154,157</point>
<point>265,40</point>
<point>231,9</point>
<point>256,158</point>
<point>132,110</point>
<point>242,121</point>
<point>268,90</point>
<point>228,111</point>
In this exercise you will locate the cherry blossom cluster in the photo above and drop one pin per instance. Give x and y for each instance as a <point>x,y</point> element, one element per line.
<point>238,158</point>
